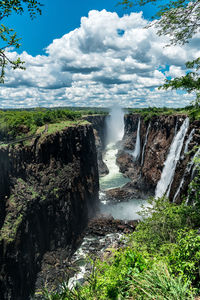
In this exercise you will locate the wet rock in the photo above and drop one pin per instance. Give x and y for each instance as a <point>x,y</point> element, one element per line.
<point>103,225</point>
<point>128,191</point>
<point>99,126</point>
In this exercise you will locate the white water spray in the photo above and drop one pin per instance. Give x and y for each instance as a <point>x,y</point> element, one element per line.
<point>115,132</point>
<point>189,165</point>
<point>169,168</point>
<point>115,126</point>
<point>189,140</point>
<point>145,142</point>
<point>136,152</point>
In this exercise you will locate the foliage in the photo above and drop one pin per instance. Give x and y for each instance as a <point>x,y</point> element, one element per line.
<point>159,283</point>
<point>160,260</point>
<point>185,256</point>
<point>15,123</point>
<point>149,112</point>
<point>8,35</point>
<point>180,20</point>
<point>161,221</point>
<point>190,82</point>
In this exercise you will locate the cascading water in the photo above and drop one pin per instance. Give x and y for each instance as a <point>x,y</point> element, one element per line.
<point>126,210</point>
<point>136,152</point>
<point>189,165</point>
<point>167,175</point>
<point>115,132</point>
<point>145,142</point>
<point>187,170</point>
<point>189,140</point>
<point>115,126</point>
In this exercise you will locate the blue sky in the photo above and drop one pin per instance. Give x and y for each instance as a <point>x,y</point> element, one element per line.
<point>93,53</point>
<point>60,17</point>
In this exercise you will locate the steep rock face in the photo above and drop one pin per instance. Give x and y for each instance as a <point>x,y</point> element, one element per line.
<point>48,190</point>
<point>156,136</point>
<point>184,168</point>
<point>99,124</point>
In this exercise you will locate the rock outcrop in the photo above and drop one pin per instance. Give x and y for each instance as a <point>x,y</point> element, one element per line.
<point>156,136</point>
<point>99,124</point>
<point>49,188</point>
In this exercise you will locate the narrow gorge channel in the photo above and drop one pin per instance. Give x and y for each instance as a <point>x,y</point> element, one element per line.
<point>115,216</point>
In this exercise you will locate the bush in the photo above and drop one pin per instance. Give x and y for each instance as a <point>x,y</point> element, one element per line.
<point>184,259</point>
<point>160,223</point>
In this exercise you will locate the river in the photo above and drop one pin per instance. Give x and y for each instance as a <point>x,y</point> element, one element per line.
<point>121,210</point>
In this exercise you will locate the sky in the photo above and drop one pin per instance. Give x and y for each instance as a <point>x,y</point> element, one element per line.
<point>93,53</point>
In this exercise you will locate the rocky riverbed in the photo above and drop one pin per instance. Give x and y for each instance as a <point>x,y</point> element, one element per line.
<point>103,234</point>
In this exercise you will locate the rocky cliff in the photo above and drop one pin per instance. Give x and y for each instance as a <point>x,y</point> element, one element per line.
<point>156,136</point>
<point>99,126</point>
<point>49,188</point>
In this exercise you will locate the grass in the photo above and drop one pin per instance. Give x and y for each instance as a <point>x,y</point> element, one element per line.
<point>59,126</point>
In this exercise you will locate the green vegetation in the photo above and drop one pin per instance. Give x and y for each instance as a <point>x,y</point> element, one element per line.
<point>17,206</point>
<point>147,113</point>
<point>20,123</point>
<point>179,20</point>
<point>8,36</point>
<point>160,259</point>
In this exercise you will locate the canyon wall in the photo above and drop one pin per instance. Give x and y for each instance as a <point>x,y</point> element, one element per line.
<point>99,126</point>
<point>49,188</point>
<point>156,136</point>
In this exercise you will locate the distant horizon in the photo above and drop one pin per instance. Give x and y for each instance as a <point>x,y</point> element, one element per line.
<point>94,107</point>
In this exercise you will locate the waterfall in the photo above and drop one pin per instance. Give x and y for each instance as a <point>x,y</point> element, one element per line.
<point>136,152</point>
<point>115,126</point>
<point>145,142</point>
<point>197,154</point>
<point>115,132</point>
<point>169,168</point>
<point>193,162</point>
<point>187,170</point>
<point>189,140</point>
<point>189,165</point>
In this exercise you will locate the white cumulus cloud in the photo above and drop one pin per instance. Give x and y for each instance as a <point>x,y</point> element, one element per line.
<point>108,59</point>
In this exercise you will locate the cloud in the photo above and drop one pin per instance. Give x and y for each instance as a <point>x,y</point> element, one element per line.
<point>106,60</point>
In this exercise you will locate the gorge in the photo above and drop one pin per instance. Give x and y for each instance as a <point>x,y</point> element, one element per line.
<point>49,187</point>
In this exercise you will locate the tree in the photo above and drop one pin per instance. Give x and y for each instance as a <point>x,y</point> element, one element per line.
<point>180,20</point>
<point>190,82</point>
<point>8,35</point>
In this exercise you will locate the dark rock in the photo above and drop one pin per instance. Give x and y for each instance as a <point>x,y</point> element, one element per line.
<point>99,125</point>
<point>49,188</point>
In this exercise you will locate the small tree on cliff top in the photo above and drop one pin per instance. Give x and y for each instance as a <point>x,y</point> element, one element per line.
<point>8,35</point>
<point>180,20</point>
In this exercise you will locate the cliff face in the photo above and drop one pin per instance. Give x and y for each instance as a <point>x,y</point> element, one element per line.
<point>48,190</point>
<point>99,125</point>
<point>156,136</point>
